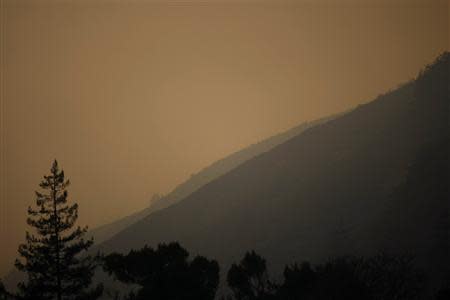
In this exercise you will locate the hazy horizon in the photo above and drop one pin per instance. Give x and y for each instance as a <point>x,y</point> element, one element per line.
<point>132,97</point>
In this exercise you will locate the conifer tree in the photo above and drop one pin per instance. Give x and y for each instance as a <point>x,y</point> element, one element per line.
<point>52,254</point>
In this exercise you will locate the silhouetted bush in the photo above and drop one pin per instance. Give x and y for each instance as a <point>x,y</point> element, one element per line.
<point>299,282</point>
<point>249,280</point>
<point>4,295</point>
<point>165,273</point>
<point>382,277</point>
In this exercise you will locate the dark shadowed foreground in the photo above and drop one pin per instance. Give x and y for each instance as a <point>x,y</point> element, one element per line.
<point>166,273</point>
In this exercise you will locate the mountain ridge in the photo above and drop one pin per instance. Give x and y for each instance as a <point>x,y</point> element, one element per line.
<point>288,203</point>
<point>205,175</point>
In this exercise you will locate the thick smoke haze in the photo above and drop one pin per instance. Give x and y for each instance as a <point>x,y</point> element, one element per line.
<point>132,97</point>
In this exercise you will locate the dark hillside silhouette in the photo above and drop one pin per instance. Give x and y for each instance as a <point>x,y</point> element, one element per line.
<point>203,177</point>
<point>420,210</point>
<point>323,193</point>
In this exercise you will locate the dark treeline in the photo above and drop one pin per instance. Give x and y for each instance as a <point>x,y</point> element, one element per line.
<point>56,263</point>
<point>378,277</point>
<point>167,273</point>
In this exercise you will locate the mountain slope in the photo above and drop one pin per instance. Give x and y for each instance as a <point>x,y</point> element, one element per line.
<point>420,210</point>
<point>203,177</point>
<point>322,193</point>
<point>208,174</point>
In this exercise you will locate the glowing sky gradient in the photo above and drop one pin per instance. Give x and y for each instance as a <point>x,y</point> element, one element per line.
<point>134,96</point>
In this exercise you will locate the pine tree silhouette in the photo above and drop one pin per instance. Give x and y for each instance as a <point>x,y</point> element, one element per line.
<point>51,256</point>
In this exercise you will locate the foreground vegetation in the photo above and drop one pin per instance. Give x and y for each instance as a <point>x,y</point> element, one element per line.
<point>56,263</point>
<point>166,273</point>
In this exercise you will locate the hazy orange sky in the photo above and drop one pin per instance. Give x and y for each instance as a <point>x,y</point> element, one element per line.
<point>134,96</point>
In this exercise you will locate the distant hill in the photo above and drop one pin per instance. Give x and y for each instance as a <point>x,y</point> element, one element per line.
<point>203,177</point>
<point>331,190</point>
<point>208,174</point>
